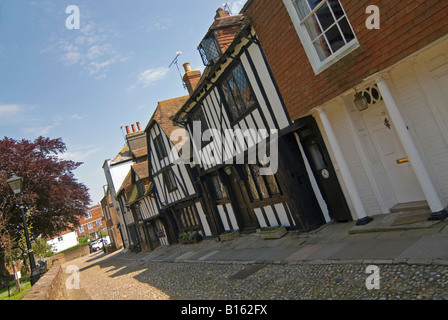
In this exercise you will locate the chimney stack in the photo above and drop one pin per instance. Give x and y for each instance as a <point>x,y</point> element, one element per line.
<point>191,78</point>
<point>220,13</point>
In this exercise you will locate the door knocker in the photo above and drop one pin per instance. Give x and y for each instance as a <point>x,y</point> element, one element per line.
<point>325,173</point>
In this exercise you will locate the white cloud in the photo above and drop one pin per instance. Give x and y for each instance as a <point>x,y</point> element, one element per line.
<point>148,77</point>
<point>80,154</point>
<point>9,110</point>
<point>41,130</point>
<point>158,23</point>
<point>75,117</point>
<point>90,48</point>
<point>236,6</point>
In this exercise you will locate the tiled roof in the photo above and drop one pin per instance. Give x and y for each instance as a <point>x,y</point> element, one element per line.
<point>138,153</point>
<point>226,21</point>
<point>165,112</point>
<point>141,169</point>
<point>123,155</point>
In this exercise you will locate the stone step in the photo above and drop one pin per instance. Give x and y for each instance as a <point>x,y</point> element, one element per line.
<point>415,206</point>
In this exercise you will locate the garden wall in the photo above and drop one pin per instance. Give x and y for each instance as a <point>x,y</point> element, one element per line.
<point>49,287</point>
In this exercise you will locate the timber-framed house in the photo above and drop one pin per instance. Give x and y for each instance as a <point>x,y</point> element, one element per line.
<point>237,108</point>
<point>147,227</point>
<point>179,200</point>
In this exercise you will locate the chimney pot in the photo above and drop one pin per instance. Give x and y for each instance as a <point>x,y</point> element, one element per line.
<point>128,131</point>
<point>133,128</point>
<point>187,66</point>
<point>138,126</point>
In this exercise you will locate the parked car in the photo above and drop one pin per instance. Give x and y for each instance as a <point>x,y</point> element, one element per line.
<point>96,245</point>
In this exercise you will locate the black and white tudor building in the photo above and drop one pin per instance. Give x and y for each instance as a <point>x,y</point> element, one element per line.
<point>246,155</point>
<point>179,200</point>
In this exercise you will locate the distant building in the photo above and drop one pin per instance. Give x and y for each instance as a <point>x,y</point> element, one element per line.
<point>63,241</point>
<point>92,222</point>
<point>111,220</point>
<point>115,171</point>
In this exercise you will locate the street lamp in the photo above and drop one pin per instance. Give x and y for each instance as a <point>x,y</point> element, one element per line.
<point>16,185</point>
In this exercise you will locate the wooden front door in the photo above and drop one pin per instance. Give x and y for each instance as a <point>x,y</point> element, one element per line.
<point>392,155</point>
<point>153,239</point>
<point>323,170</point>
<point>240,198</point>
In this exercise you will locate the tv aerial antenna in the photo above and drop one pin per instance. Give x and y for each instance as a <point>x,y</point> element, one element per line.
<point>122,132</point>
<point>176,62</point>
<point>227,6</point>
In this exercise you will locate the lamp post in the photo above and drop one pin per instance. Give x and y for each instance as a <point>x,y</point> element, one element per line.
<point>16,185</point>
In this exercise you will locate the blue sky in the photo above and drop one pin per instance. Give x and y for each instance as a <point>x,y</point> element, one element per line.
<point>83,84</point>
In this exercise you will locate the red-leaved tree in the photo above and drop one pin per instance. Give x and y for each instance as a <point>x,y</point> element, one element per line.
<point>50,191</point>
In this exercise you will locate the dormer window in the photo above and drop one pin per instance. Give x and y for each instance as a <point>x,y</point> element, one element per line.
<point>209,50</point>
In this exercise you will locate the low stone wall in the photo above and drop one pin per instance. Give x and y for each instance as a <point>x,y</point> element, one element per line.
<point>71,254</point>
<point>50,286</point>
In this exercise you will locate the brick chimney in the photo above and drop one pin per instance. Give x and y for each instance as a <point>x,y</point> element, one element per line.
<point>220,13</point>
<point>191,78</point>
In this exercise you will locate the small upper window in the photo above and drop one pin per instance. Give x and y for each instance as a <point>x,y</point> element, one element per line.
<point>324,30</point>
<point>169,180</point>
<point>160,148</point>
<point>237,92</point>
<point>209,50</point>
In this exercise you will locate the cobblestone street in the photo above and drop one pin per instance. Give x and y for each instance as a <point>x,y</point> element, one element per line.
<point>108,277</point>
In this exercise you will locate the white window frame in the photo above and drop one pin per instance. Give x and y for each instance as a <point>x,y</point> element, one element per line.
<point>81,229</point>
<point>98,222</point>
<point>88,215</point>
<point>316,63</point>
<point>89,226</point>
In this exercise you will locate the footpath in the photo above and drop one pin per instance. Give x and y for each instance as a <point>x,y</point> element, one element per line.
<point>395,238</point>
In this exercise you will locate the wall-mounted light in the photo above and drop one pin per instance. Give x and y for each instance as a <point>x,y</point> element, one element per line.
<point>361,101</point>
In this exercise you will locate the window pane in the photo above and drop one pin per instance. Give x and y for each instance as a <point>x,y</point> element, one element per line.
<point>335,38</point>
<point>198,115</point>
<point>302,8</point>
<point>236,95</point>
<point>160,148</point>
<point>238,92</point>
<point>314,3</point>
<point>219,189</point>
<point>251,182</point>
<point>346,30</point>
<point>272,182</point>
<point>260,181</point>
<point>322,48</point>
<point>168,179</point>
<point>210,48</point>
<point>244,88</point>
<point>337,9</point>
<point>317,156</point>
<point>313,27</point>
<point>325,17</point>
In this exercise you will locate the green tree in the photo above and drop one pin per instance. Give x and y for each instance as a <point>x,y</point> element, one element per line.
<point>51,194</point>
